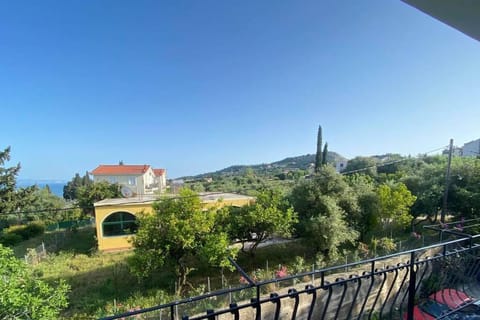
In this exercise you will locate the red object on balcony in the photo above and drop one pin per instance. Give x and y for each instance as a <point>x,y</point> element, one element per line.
<point>451,297</point>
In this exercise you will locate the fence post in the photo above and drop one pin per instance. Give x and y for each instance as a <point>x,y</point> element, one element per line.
<point>411,287</point>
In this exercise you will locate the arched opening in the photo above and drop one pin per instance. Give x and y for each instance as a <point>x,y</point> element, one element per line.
<point>119,224</point>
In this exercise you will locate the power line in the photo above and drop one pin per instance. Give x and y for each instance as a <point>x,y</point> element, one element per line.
<point>389,163</point>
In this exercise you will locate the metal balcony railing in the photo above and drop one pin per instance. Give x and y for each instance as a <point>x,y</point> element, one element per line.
<point>388,287</point>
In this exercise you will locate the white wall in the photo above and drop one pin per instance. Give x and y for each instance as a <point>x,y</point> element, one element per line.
<point>471,148</point>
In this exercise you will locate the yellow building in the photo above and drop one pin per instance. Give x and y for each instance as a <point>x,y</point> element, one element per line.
<point>115,219</point>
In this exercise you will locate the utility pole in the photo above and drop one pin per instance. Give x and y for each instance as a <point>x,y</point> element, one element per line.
<point>447,182</point>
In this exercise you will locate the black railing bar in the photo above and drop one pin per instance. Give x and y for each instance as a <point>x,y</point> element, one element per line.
<point>229,290</point>
<point>327,303</point>
<point>372,282</point>
<point>458,233</point>
<point>331,284</point>
<point>178,302</point>
<point>398,292</point>
<point>311,291</point>
<point>379,291</point>
<point>219,312</point>
<point>340,303</point>
<point>377,259</point>
<point>293,294</point>
<point>385,300</point>
<point>470,226</point>
<point>242,272</point>
<point>412,288</point>
<point>454,222</point>
<point>366,275</point>
<point>253,304</point>
<point>354,300</point>
<point>278,305</point>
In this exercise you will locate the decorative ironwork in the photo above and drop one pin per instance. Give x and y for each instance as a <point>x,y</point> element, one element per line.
<point>387,287</point>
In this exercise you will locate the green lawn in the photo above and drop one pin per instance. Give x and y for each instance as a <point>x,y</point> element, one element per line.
<point>101,283</point>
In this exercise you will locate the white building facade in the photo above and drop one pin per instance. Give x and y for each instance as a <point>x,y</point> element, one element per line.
<point>471,149</point>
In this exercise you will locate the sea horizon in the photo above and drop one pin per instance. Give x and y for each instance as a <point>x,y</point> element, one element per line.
<point>56,186</point>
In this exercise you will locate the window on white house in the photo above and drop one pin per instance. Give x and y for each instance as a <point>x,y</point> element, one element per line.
<point>132,181</point>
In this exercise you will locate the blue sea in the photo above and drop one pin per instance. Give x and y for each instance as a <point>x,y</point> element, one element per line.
<point>55,186</point>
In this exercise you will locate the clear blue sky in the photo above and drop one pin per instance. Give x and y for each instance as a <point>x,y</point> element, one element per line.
<point>195,86</point>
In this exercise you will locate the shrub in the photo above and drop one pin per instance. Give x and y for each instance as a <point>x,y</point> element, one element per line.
<point>26,232</point>
<point>10,239</point>
<point>34,229</point>
<point>23,295</point>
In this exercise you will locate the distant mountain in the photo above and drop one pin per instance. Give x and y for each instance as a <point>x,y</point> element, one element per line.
<point>304,162</point>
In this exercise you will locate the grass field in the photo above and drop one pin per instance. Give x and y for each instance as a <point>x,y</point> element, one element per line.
<point>101,283</point>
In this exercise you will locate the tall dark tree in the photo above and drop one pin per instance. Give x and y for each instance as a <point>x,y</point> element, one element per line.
<point>325,153</point>
<point>8,177</point>
<point>86,179</point>
<point>318,156</point>
<point>71,189</point>
<point>12,199</point>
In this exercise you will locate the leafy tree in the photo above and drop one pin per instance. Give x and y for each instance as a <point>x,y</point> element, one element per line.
<point>88,195</point>
<point>395,201</point>
<point>40,204</point>
<point>327,231</point>
<point>327,210</point>
<point>427,183</point>
<point>464,189</point>
<point>22,296</point>
<point>269,215</point>
<point>179,236</point>
<point>71,189</point>
<point>306,196</point>
<point>367,220</point>
<point>365,164</point>
<point>318,155</point>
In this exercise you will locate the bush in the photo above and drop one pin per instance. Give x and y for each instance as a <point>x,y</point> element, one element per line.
<point>34,229</point>
<point>10,239</point>
<point>26,297</point>
<point>26,232</point>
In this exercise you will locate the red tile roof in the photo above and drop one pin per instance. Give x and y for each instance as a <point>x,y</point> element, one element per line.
<point>159,172</point>
<point>105,170</point>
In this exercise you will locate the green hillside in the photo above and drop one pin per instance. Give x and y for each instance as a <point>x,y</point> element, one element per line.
<point>303,162</point>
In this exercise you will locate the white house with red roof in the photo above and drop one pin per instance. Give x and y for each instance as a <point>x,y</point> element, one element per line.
<point>139,179</point>
<point>161,178</point>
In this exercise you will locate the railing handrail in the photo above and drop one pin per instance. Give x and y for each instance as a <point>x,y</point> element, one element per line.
<point>413,260</point>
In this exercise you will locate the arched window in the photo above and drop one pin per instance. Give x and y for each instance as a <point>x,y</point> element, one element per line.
<point>119,224</point>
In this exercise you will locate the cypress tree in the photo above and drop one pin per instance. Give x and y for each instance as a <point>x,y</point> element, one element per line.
<point>318,156</point>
